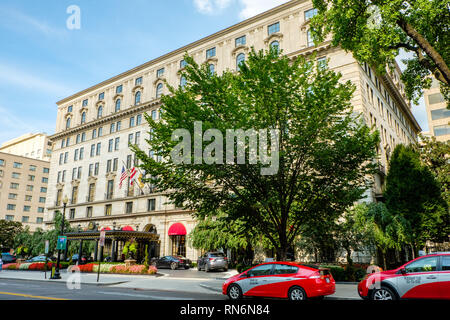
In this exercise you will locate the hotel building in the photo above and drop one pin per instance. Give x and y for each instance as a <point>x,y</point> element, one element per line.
<point>36,146</point>
<point>437,112</point>
<point>94,126</point>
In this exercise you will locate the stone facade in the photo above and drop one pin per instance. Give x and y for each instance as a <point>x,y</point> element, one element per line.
<point>437,112</point>
<point>125,97</point>
<point>36,146</point>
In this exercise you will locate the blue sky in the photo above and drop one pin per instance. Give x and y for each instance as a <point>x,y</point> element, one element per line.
<point>42,61</point>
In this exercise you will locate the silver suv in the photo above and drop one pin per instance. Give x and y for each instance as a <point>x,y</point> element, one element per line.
<point>212,261</point>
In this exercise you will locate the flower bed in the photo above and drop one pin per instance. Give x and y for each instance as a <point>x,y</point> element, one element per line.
<point>38,266</point>
<point>117,268</point>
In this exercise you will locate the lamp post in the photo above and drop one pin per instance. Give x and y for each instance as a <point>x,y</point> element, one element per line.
<point>57,274</point>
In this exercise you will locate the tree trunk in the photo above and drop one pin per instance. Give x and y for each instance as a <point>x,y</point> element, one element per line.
<point>349,256</point>
<point>282,253</point>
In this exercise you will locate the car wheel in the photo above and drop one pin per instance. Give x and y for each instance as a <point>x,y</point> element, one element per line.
<point>234,292</point>
<point>186,267</point>
<point>173,266</point>
<point>199,268</point>
<point>296,293</point>
<point>384,293</point>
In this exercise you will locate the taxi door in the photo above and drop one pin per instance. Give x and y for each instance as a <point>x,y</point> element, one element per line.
<point>444,277</point>
<point>420,280</point>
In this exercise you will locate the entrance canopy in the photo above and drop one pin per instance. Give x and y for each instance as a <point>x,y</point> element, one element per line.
<point>177,229</point>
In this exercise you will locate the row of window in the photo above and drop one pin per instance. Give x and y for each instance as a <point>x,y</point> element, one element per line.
<point>16,186</point>
<point>18,165</point>
<point>12,207</point>
<point>14,196</point>
<point>25,219</point>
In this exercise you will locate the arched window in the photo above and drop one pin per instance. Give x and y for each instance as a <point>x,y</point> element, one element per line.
<point>68,123</point>
<point>212,69</point>
<point>275,45</point>
<point>159,90</point>
<point>118,105</point>
<point>239,59</point>
<point>183,81</point>
<point>83,117</point>
<point>99,112</point>
<point>137,98</point>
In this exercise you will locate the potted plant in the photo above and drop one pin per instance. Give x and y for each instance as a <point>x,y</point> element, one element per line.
<point>130,250</point>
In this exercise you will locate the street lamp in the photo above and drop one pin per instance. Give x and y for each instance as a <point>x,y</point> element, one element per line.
<point>57,274</point>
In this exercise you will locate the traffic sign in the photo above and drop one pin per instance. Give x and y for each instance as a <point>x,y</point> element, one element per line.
<point>102,238</point>
<point>62,242</point>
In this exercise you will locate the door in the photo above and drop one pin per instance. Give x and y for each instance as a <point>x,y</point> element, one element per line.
<point>444,277</point>
<point>420,280</point>
<point>257,277</point>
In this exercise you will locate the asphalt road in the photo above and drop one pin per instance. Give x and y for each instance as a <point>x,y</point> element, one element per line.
<point>36,290</point>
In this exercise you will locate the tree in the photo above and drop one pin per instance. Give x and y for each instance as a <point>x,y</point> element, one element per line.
<point>375,31</point>
<point>8,230</point>
<point>413,193</point>
<point>435,155</point>
<point>321,151</point>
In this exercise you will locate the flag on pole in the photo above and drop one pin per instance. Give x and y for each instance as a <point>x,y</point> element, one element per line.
<point>132,175</point>
<point>123,176</point>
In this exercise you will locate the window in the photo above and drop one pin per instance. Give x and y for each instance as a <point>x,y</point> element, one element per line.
<point>99,146</point>
<point>183,64</point>
<point>89,212</point>
<point>110,145</point>
<point>117,105</point>
<point>99,112</point>
<point>92,150</point>
<point>129,161</point>
<point>137,98</point>
<point>68,123</point>
<point>25,219</point>
<point>138,81</point>
<point>212,69</point>
<point>9,218</point>
<point>108,209</point>
<point>91,192</point>
<point>273,28</point>
<point>241,41</point>
<point>440,114</point>
<point>81,153</point>
<point>310,40</point>
<point>30,188</point>
<point>100,131</point>
<point>116,144</point>
<point>63,179</point>
<point>83,117</point>
<point>31,178</point>
<point>263,270</point>
<point>183,81</point>
<point>284,269</point>
<point>43,190</point>
<point>322,63</point>
<point>112,128</point>
<point>2,163</point>
<point>83,137</point>
<point>46,170</point>
<point>75,155</point>
<point>17,165</point>
<point>85,103</point>
<point>97,167</point>
<point>14,186</point>
<point>72,214</point>
<point>79,173</point>
<point>445,263</point>
<point>77,140</point>
<point>66,157</point>
<point>160,73</point>
<point>211,53</point>
<point>74,195</point>
<point>138,119</point>
<point>26,208</point>
<point>239,60</point>
<point>151,205</point>
<point>110,190</point>
<point>12,196</point>
<point>32,168</point>
<point>154,114</point>
<point>435,98</point>
<point>310,13</point>
<point>101,96</point>
<point>442,130</point>
<point>275,45</point>
<point>131,122</point>
<point>119,89</point>
<point>130,138</point>
<point>40,210</point>
<point>91,170</point>
<point>28,198</point>
<point>94,133</point>
<point>422,265</point>
<point>137,137</point>
<point>115,164</point>
<point>159,90</point>
<point>11,207</point>
<point>74,173</point>
<point>69,109</point>
<point>16,175</point>
<point>39,220</point>
<point>108,166</point>
<point>129,207</point>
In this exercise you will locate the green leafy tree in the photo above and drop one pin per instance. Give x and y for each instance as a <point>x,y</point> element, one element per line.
<point>323,151</point>
<point>375,31</point>
<point>413,193</point>
<point>8,230</point>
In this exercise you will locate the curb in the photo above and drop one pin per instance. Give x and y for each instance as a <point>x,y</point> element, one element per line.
<point>210,288</point>
<point>64,281</point>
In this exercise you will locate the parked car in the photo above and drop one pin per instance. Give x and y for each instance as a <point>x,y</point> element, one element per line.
<point>84,259</point>
<point>172,262</point>
<point>212,261</point>
<point>427,277</point>
<point>40,258</point>
<point>281,280</point>
<point>8,258</point>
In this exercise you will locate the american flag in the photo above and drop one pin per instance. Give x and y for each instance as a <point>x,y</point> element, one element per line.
<point>132,175</point>
<point>123,176</point>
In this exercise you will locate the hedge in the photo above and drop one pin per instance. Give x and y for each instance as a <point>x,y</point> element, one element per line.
<point>37,266</point>
<point>114,268</point>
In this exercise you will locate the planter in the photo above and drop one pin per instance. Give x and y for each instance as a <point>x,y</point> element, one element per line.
<point>130,262</point>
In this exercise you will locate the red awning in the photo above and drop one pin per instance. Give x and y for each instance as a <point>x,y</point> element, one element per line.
<point>106,229</point>
<point>177,229</point>
<point>127,228</point>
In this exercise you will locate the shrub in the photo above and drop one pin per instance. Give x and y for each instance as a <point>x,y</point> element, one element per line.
<point>87,267</point>
<point>138,269</point>
<point>338,273</point>
<point>152,270</point>
<point>119,269</point>
<point>11,266</point>
<point>24,266</point>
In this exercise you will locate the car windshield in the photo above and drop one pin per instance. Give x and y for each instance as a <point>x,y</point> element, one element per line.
<point>216,254</point>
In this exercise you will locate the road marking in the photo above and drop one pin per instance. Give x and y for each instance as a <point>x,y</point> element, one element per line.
<point>30,296</point>
<point>142,296</point>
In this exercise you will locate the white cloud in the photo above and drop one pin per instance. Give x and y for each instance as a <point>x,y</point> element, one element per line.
<point>250,8</point>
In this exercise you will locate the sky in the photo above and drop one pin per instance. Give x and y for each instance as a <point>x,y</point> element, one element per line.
<point>42,60</point>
